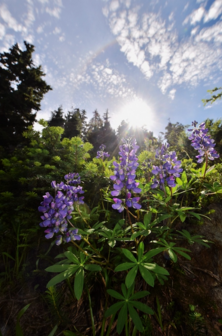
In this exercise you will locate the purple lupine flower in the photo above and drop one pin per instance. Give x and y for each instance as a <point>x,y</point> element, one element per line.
<point>202,142</point>
<point>124,176</point>
<point>101,154</point>
<point>168,169</point>
<point>57,211</point>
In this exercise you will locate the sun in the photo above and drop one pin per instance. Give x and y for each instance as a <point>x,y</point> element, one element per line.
<point>137,113</point>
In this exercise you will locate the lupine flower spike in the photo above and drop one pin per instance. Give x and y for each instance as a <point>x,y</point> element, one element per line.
<point>202,142</point>
<point>168,169</point>
<point>101,154</point>
<point>57,210</point>
<point>124,177</point>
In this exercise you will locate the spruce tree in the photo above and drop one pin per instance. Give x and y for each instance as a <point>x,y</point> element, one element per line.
<point>21,91</point>
<point>57,118</point>
<point>73,124</point>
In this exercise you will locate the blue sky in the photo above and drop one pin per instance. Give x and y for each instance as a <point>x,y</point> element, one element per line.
<point>144,61</point>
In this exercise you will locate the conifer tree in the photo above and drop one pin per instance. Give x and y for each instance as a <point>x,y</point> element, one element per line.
<point>57,118</point>
<point>73,124</point>
<point>21,91</point>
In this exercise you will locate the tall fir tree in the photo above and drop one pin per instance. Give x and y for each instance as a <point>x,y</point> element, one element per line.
<point>73,124</point>
<point>57,118</point>
<point>21,91</point>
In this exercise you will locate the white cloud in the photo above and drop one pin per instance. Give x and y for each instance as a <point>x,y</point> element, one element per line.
<point>172,94</point>
<point>152,45</point>
<point>195,16</point>
<point>114,5</point>
<point>9,20</point>
<point>57,30</point>
<point>211,34</point>
<point>2,31</point>
<point>40,29</point>
<point>53,11</point>
<point>185,7</point>
<point>214,11</point>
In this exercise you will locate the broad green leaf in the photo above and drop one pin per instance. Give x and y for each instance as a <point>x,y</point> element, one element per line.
<point>140,250</point>
<point>59,278</point>
<point>115,294</point>
<point>195,215</point>
<point>139,295</point>
<point>184,177</point>
<point>172,255</point>
<point>57,268</point>
<point>147,219</point>
<point>135,317</point>
<point>93,267</point>
<point>72,257</point>
<point>131,276</point>
<point>146,275</point>
<point>183,254</point>
<point>113,309</point>
<point>123,267</point>
<point>122,318</point>
<point>129,255</point>
<point>143,307</point>
<point>136,234</point>
<point>179,181</point>
<point>160,270</point>
<point>203,168</point>
<point>152,253</point>
<point>182,216</point>
<point>78,283</point>
<point>125,293</point>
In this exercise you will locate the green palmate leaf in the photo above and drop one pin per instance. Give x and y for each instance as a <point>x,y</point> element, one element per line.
<point>139,295</point>
<point>92,268</point>
<point>152,253</point>
<point>114,308</point>
<point>60,277</point>
<point>184,177</point>
<point>147,276</point>
<point>141,306</point>
<point>160,270</point>
<point>137,234</point>
<point>57,268</point>
<point>131,276</point>
<point>179,181</point>
<point>129,255</point>
<point>115,294</point>
<point>123,287</point>
<point>172,255</point>
<point>195,215</point>
<point>123,267</point>
<point>203,169</point>
<point>72,257</point>
<point>122,318</point>
<point>78,283</point>
<point>135,317</point>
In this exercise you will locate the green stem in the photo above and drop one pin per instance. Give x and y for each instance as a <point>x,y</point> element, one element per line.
<point>110,325</point>
<point>95,261</point>
<point>91,313</point>
<point>134,331</point>
<point>206,166</point>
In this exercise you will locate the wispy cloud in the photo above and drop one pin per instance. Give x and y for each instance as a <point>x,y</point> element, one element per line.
<point>214,11</point>
<point>152,44</point>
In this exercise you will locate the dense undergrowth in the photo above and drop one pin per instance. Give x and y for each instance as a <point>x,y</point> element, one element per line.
<point>115,262</point>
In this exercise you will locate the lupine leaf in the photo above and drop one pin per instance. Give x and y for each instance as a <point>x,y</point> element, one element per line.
<point>172,255</point>
<point>140,250</point>
<point>139,295</point>
<point>72,257</point>
<point>147,218</point>
<point>123,267</point>
<point>59,278</point>
<point>57,268</point>
<point>152,253</point>
<point>92,268</point>
<point>122,317</point>
<point>78,283</point>
<point>115,294</point>
<point>146,275</point>
<point>114,308</point>
<point>183,254</point>
<point>131,276</point>
<point>135,317</point>
<point>141,306</point>
<point>129,255</point>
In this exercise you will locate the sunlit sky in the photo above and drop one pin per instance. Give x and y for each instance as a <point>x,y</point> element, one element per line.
<point>144,60</point>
